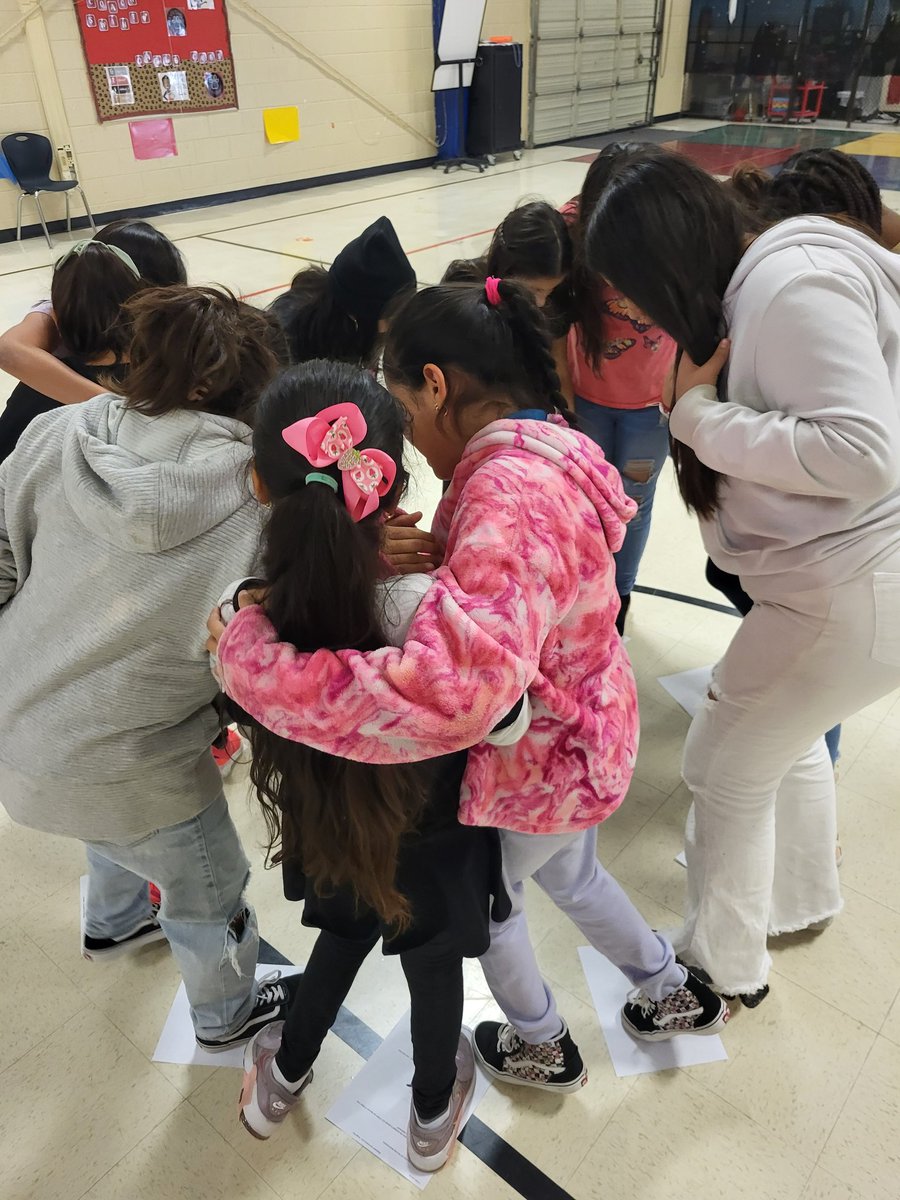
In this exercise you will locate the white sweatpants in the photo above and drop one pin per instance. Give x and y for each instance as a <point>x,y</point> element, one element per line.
<point>760,840</point>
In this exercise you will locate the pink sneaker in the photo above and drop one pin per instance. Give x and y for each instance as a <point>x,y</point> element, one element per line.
<point>228,756</point>
<point>264,1103</point>
<point>428,1148</point>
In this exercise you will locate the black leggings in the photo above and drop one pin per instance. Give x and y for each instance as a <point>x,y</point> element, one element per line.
<point>729,586</point>
<point>435,977</point>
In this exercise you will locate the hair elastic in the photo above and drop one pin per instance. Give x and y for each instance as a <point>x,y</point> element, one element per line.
<point>80,247</point>
<point>492,290</point>
<point>318,477</point>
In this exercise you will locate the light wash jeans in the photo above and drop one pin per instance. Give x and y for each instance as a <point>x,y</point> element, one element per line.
<point>636,442</point>
<point>761,833</point>
<point>566,867</point>
<point>201,871</point>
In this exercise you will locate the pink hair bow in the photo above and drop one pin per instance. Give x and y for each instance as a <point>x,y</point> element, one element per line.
<point>330,438</point>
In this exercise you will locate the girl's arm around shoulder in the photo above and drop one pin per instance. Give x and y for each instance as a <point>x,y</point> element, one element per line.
<point>472,651</point>
<point>26,353</point>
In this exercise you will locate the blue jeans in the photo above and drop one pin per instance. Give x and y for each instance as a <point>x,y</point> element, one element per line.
<point>202,872</point>
<point>636,442</point>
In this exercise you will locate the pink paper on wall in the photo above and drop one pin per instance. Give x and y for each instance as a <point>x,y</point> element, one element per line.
<point>153,139</point>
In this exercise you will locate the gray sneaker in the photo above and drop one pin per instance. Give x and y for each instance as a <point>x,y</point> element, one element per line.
<point>264,1103</point>
<point>429,1149</point>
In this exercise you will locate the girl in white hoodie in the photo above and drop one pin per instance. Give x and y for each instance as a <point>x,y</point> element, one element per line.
<point>791,459</point>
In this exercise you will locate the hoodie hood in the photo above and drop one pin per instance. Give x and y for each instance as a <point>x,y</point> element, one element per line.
<point>863,251</point>
<point>571,452</point>
<point>149,484</point>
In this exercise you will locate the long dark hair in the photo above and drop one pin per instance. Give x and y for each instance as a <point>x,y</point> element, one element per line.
<point>817,182</point>
<point>669,237</point>
<point>317,325</point>
<point>341,820</point>
<point>585,287</point>
<point>156,257</point>
<point>487,352</point>
<point>89,293</point>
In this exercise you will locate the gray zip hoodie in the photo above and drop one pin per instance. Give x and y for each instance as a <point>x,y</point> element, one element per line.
<point>117,532</point>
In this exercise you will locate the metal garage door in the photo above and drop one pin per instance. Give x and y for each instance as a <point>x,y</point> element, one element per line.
<point>593,66</point>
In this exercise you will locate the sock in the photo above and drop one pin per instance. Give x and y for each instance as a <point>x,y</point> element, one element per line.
<point>434,1121</point>
<point>291,1085</point>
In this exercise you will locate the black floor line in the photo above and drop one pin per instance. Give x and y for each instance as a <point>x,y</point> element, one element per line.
<point>695,600</point>
<point>504,1160</point>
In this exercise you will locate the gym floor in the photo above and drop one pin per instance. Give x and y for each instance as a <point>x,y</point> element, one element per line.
<point>806,1106</point>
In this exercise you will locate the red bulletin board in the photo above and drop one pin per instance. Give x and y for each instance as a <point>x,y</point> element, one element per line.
<point>157,56</point>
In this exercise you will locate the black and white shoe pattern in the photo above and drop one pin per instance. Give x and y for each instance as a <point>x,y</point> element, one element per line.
<point>554,1066</point>
<point>273,999</point>
<point>693,1008</point>
<point>148,931</point>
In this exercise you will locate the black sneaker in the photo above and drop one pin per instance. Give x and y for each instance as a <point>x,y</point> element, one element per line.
<point>554,1066</point>
<point>748,999</point>
<point>693,1008</point>
<point>148,931</point>
<point>273,999</point>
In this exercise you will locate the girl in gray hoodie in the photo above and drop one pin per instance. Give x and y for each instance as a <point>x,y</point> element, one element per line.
<point>119,518</point>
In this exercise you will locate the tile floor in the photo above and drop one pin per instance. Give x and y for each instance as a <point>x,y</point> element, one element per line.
<point>806,1108</point>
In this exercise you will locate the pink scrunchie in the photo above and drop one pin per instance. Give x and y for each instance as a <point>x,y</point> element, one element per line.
<point>492,290</point>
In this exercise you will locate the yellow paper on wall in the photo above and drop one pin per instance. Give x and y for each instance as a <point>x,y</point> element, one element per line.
<point>282,124</point>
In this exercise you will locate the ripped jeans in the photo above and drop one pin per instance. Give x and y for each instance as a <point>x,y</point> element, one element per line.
<point>202,872</point>
<point>636,442</point>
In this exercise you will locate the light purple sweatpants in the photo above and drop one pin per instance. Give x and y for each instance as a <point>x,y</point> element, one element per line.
<point>566,867</point>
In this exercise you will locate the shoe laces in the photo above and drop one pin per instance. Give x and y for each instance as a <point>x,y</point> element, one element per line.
<point>508,1039</point>
<point>271,990</point>
<point>640,998</point>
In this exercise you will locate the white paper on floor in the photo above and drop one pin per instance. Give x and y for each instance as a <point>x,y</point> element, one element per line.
<point>177,1043</point>
<point>689,688</point>
<point>609,990</point>
<point>374,1108</point>
<point>681,859</point>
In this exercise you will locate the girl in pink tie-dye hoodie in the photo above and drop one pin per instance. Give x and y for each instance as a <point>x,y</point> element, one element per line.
<point>525,601</point>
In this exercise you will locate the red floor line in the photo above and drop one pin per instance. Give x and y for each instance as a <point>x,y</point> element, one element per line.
<point>262,291</point>
<point>418,250</point>
<point>449,242</point>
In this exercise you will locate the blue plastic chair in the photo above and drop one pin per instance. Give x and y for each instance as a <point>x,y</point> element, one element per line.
<point>30,157</point>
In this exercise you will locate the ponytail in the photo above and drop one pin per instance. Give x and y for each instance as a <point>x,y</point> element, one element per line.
<point>489,352</point>
<point>316,324</point>
<point>533,342</point>
<point>342,821</point>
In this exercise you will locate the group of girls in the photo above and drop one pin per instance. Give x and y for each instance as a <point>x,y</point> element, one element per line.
<point>425,741</point>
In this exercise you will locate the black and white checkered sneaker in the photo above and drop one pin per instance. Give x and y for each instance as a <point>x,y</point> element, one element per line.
<point>554,1066</point>
<point>693,1008</point>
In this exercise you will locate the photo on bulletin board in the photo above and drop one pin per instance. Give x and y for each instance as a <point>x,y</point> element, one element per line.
<point>176,24</point>
<point>118,80</point>
<point>157,56</point>
<point>174,86</point>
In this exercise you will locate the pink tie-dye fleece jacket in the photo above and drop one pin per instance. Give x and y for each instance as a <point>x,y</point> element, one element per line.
<point>525,600</point>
